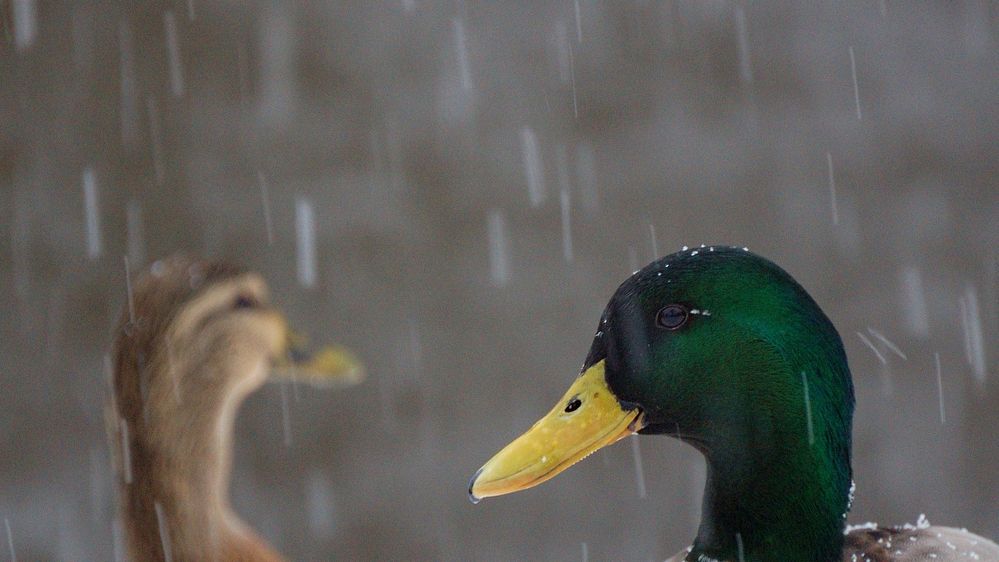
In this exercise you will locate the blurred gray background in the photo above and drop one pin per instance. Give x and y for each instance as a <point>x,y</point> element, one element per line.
<point>454,190</point>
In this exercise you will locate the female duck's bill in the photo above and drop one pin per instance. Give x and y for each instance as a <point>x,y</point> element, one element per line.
<point>587,418</point>
<point>331,366</point>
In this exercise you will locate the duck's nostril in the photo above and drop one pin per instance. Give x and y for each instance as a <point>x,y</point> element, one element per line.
<point>573,405</point>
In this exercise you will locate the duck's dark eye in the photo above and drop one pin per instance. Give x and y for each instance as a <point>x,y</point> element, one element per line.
<point>245,301</point>
<point>672,317</point>
<point>573,405</point>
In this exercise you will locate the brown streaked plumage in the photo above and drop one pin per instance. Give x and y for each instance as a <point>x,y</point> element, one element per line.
<point>197,338</point>
<point>907,544</point>
<point>912,544</point>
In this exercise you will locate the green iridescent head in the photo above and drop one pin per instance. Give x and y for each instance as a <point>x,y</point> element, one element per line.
<point>723,349</point>
<point>712,338</point>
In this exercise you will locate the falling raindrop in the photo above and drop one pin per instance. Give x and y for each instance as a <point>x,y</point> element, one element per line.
<point>808,410</point>
<point>190,10</point>
<point>940,393</point>
<point>832,188</point>
<point>499,248</point>
<point>173,54</point>
<point>745,68</point>
<point>10,540</point>
<point>888,343</point>
<point>128,92</point>
<point>461,49</point>
<point>305,230</point>
<point>655,243</point>
<point>319,504</point>
<point>156,139</point>
<point>562,51</point>
<point>126,451</point>
<point>971,324</point>
<point>118,540</point>
<point>916,317</point>
<point>94,245</point>
<point>636,454</point>
<point>24,15</point>
<point>566,228</point>
<point>532,166</point>
<point>856,89</point>
<point>266,201</point>
<point>586,552</point>
<point>572,80</point>
<point>868,343</point>
<point>579,29</point>
<point>632,259</point>
<point>161,523</point>
<point>277,67</point>
<point>739,547</point>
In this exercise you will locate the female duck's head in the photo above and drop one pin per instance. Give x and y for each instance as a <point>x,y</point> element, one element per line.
<point>717,346</point>
<point>207,328</point>
<point>195,338</point>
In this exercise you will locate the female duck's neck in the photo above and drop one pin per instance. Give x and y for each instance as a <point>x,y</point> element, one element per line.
<point>177,503</point>
<point>781,502</point>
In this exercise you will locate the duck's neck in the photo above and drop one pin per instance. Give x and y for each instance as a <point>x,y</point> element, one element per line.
<point>780,494</point>
<point>177,505</point>
<point>785,512</point>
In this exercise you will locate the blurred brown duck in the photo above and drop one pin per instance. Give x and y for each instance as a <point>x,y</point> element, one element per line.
<point>195,340</point>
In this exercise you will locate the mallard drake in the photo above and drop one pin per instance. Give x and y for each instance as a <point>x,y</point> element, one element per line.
<point>194,340</point>
<point>725,351</point>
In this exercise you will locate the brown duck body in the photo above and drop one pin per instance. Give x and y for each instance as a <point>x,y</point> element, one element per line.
<point>196,339</point>
<point>174,403</point>
<point>908,544</point>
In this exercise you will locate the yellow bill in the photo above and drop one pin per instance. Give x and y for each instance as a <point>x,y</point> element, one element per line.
<point>331,366</point>
<point>587,418</point>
